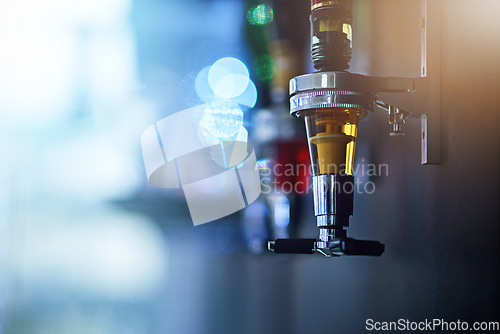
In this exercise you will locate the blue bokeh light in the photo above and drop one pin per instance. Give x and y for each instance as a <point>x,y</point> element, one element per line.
<point>202,87</point>
<point>222,119</point>
<point>227,79</point>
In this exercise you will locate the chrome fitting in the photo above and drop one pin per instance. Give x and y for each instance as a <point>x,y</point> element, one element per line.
<point>333,204</point>
<point>333,199</point>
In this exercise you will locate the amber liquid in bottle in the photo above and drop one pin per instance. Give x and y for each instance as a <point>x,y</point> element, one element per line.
<point>332,140</point>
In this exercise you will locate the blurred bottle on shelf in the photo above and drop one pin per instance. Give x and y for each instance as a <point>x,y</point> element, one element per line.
<point>284,162</point>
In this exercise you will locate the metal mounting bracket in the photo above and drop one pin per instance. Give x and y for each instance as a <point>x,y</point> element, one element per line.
<point>425,99</point>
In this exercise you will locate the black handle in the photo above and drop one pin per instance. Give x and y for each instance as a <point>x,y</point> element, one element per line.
<point>294,246</point>
<point>350,246</point>
<point>342,246</point>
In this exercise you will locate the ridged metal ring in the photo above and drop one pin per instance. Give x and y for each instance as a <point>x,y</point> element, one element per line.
<point>330,98</point>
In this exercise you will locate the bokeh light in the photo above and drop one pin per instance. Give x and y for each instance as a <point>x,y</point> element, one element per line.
<point>281,210</point>
<point>222,119</point>
<point>231,86</point>
<point>202,87</point>
<point>260,15</point>
<point>263,164</point>
<point>249,97</point>
<point>226,66</point>
<point>227,79</point>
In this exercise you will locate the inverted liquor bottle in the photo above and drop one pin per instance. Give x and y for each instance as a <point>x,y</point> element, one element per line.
<point>331,34</point>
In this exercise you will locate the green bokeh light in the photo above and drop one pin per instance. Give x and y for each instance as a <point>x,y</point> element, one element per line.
<point>260,15</point>
<point>264,67</point>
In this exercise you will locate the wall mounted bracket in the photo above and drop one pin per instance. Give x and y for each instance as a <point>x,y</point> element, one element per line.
<point>425,99</point>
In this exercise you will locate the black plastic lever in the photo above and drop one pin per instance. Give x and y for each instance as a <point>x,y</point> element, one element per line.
<point>293,246</point>
<point>350,246</point>
<point>338,247</point>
